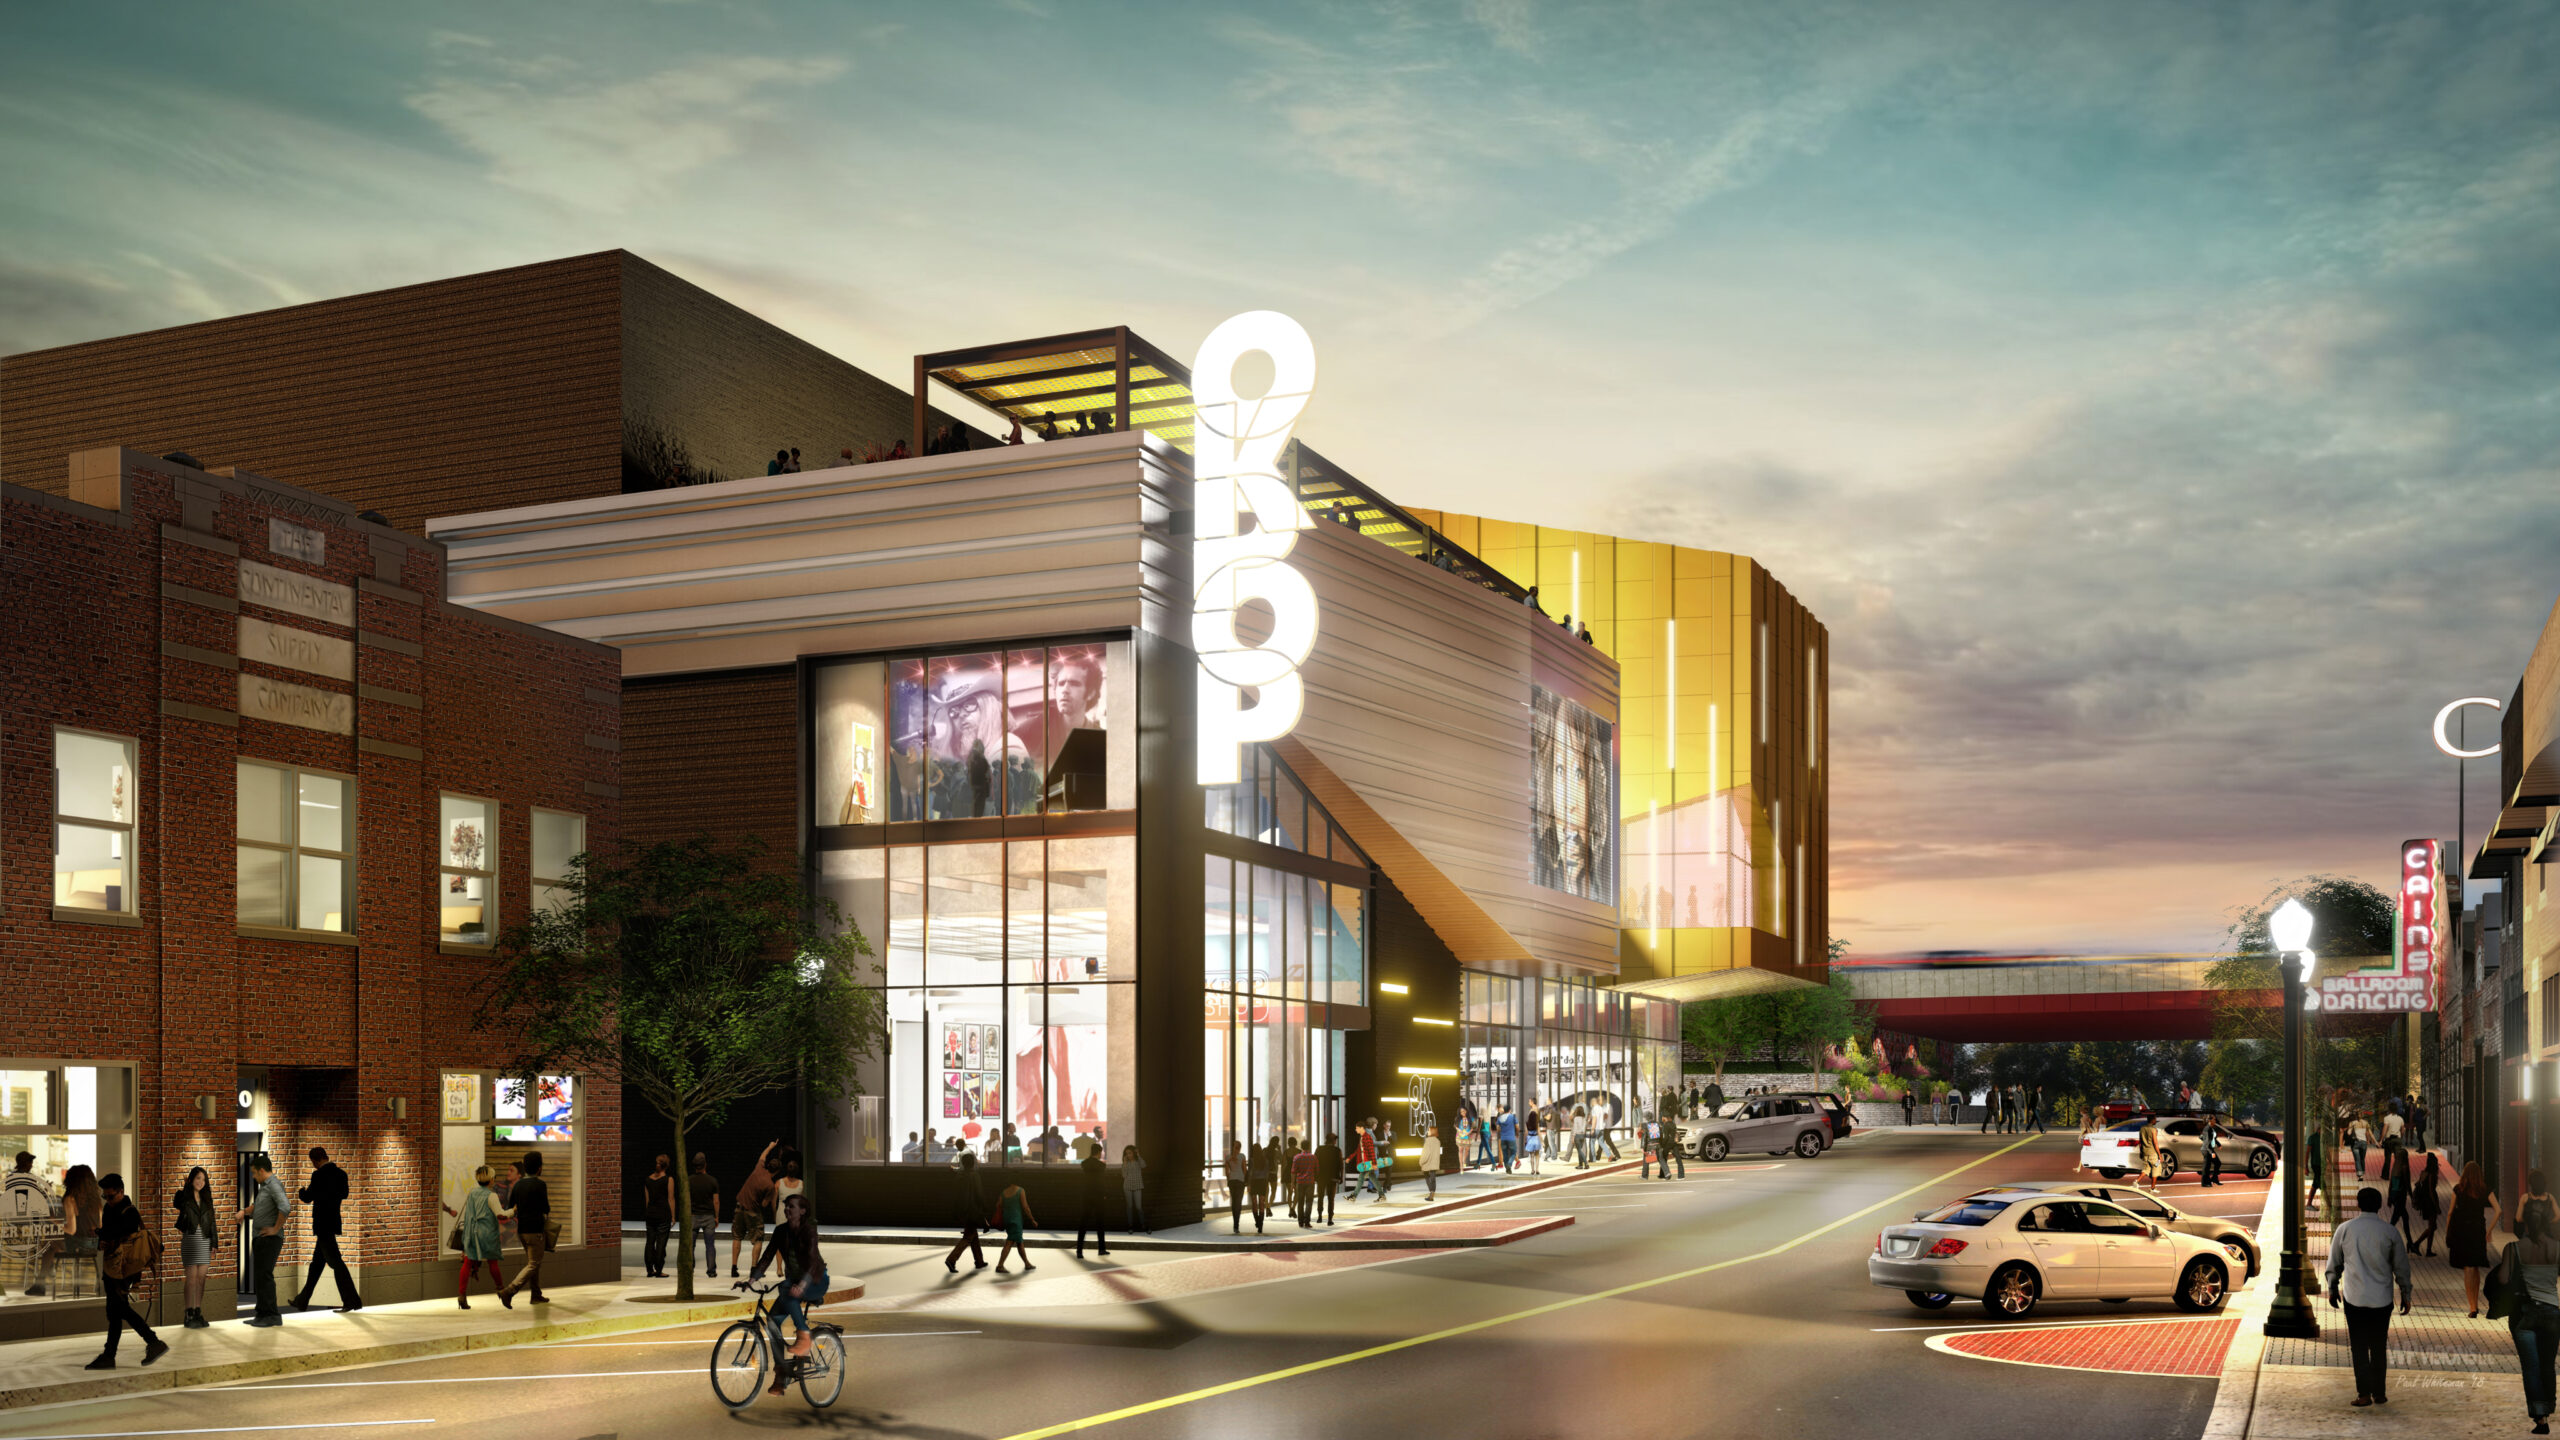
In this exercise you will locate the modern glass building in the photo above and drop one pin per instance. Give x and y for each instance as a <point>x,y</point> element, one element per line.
<point>1408,907</point>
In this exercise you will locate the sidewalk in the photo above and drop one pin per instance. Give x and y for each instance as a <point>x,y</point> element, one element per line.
<point>1407,1219</point>
<point>2451,1376</point>
<point>49,1372</point>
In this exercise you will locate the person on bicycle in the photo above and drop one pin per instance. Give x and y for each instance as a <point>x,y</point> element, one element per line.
<point>804,1274</point>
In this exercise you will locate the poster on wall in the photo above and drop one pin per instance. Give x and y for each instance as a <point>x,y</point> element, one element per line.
<point>847,731</point>
<point>1573,807</point>
<point>952,1045</point>
<point>951,1095</point>
<point>973,1046</point>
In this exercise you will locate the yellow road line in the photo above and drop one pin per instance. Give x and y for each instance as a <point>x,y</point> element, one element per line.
<point>1230,1387</point>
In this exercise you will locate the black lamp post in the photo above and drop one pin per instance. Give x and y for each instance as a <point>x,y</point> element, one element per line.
<point>2291,1315</point>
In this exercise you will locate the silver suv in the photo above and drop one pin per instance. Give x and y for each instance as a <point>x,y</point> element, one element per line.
<point>1772,1123</point>
<point>2236,1239</point>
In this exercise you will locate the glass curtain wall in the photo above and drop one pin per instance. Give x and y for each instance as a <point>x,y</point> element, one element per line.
<point>1551,1045</point>
<point>1009,966</point>
<point>1286,970</point>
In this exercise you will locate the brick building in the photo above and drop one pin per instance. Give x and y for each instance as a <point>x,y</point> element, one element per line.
<point>291,795</point>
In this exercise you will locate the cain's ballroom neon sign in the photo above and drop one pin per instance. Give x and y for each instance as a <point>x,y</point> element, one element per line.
<point>1238,445</point>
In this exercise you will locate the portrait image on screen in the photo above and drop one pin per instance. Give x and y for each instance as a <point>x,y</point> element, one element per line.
<point>1573,809</point>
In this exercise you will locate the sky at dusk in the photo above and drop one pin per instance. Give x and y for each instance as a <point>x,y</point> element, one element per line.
<point>2159,403</point>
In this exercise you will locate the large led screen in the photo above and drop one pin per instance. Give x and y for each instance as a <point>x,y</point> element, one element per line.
<point>972,736</point>
<point>1573,810</point>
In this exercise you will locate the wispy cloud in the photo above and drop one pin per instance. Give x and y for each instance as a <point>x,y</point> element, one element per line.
<point>610,147</point>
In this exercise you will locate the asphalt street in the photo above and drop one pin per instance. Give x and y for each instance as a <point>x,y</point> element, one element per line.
<point>1732,1303</point>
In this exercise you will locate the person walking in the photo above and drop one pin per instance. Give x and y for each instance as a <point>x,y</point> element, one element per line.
<point>2151,1148</point>
<point>2366,1259</point>
<point>1990,1110</point>
<point>1482,1129</point>
<point>2359,1140</point>
<point>2209,1144</point>
<point>1669,1139</point>
<point>120,1265</point>
<point>475,1234</point>
<point>2529,1289</point>
<point>1533,1142</point>
<point>2466,1234</point>
<point>1096,1195</point>
<point>325,1192</point>
<point>1431,1161</point>
<point>1910,1104</point>
<point>1133,1187</point>
<point>1328,1177</point>
<point>2395,1179</point>
<point>754,1205</point>
<point>1507,1132</point>
<point>2035,1109</point>
<point>2418,1126</point>
<point>658,1213</point>
<point>1013,1209</point>
<point>2394,1121</point>
<point>1302,1184</point>
<point>532,1204</point>
<point>2430,1202</point>
<point>1236,1170</point>
<point>969,1201</point>
<point>1262,1168</point>
<point>199,1235</point>
<point>265,1213</point>
<point>1581,1138</point>
<point>704,1216</point>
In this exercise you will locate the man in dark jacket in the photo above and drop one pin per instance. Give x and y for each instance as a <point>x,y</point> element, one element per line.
<point>1328,1177</point>
<point>1097,1202</point>
<point>533,1212</point>
<point>326,1192</point>
<point>120,1222</point>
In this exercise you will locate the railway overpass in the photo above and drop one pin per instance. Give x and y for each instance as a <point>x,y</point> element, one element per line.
<point>1980,998</point>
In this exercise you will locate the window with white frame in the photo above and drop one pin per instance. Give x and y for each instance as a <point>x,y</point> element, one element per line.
<point>466,870</point>
<point>558,838</point>
<point>93,813</point>
<point>296,848</point>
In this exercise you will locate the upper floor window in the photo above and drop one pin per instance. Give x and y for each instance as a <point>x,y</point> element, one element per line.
<point>93,811</point>
<point>296,851</point>
<point>466,870</point>
<point>558,838</point>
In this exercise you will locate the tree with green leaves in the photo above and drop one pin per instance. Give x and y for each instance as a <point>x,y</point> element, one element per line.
<point>2351,923</point>
<point>695,973</point>
<point>1723,1031</point>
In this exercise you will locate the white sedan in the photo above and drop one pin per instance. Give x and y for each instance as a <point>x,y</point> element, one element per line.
<point>2016,1247</point>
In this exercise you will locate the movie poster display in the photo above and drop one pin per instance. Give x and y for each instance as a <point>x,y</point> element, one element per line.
<point>1573,813</point>
<point>970,736</point>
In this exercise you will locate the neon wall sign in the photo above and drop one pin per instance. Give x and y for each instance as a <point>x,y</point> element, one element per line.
<point>2420,939</point>
<point>1236,478</point>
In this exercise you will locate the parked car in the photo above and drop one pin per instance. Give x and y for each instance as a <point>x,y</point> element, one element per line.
<point>2116,1151</point>
<point>2016,1248</point>
<point>1772,1123</point>
<point>2235,1238</point>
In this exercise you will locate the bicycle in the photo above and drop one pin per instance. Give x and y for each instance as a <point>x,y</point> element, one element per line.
<point>742,1359</point>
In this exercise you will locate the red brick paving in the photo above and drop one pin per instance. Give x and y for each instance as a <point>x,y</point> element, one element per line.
<point>2160,1347</point>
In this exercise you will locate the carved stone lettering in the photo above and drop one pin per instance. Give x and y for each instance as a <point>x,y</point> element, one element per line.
<point>297,542</point>
<point>300,594</point>
<point>290,704</point>
<point>273,644</point>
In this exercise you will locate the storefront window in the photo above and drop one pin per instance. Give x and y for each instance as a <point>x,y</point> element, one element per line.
<point>296,845</point>
<point>466,870</point>
<point>498,1120</point>
<point>64,1113</point>
<point>94,784</point>
<point>558,838</point>
<point>1007,967</point>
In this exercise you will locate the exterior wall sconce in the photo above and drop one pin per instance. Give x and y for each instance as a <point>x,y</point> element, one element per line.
<point>399,1107</point>
<point>208,1105</point>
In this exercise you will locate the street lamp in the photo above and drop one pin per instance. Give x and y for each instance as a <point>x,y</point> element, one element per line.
<point>2290,928</point>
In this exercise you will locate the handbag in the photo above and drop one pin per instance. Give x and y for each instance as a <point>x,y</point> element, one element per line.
<point>550,1234</point>
<point>2504,1286</point>
<point>453,1241</point>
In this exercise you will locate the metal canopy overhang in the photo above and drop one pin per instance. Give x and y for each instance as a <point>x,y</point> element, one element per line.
<point>1714,984</point>
<point>1057,382</point>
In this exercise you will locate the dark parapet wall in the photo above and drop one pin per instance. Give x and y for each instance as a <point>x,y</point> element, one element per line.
<point>481,392</point>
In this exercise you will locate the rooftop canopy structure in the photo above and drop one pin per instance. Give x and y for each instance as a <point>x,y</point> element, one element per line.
<point>1102,380</point>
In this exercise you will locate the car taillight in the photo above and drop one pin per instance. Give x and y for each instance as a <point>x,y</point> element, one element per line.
<point>1945,1248</point>
<point>1879,1242</point>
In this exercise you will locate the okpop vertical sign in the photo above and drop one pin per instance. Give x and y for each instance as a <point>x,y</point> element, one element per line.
<point>1237,446</point>
<point>2420,942</point>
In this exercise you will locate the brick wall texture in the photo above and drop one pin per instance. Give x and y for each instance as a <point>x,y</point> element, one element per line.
<point>482,392</point>
<point>106,601</point>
